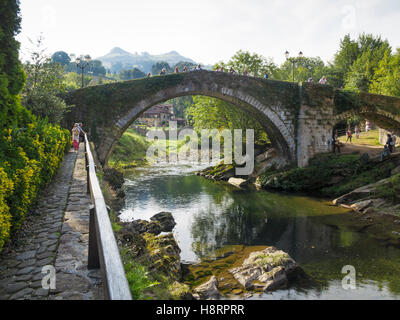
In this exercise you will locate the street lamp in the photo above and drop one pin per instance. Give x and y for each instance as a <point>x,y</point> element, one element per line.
<point>293,60</point>
<point>82,63</point>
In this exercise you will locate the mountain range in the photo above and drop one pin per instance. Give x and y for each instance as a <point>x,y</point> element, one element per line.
<point>118,59</point>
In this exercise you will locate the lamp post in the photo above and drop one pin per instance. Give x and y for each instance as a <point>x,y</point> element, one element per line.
<point>82,63</point>
<point>293,60</point>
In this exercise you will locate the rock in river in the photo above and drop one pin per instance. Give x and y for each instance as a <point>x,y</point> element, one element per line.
<point>166,221</point>
<point>268,270</point>
<point>142,226</point>
<point>208,290</point>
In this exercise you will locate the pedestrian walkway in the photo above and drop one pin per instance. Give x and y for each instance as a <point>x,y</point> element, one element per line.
<point>57,235</point>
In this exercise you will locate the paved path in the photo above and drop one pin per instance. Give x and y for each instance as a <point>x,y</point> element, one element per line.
<point>57,235</point>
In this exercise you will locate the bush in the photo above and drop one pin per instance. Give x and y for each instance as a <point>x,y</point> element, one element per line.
<point>30,150</point>
<point>29,158</point>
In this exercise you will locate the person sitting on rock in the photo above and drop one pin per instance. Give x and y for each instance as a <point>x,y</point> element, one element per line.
<point>389,142</point>
<point>385,152</point>
<point>394,139</point>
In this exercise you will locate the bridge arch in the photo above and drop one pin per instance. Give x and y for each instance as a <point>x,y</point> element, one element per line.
<point>273,103</point>
<point>382,110</point>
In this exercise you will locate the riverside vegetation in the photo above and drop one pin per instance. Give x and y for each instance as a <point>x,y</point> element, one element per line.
<point>31,149</point>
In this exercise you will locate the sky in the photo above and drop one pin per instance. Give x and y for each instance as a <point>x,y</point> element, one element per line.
<point>206,31</point>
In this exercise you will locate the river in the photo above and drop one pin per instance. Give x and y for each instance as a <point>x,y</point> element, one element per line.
<point>210,215</point>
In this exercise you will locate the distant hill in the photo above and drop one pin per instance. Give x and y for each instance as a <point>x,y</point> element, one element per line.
<point>118,59</point>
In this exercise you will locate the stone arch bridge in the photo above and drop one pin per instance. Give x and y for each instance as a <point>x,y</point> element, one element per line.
<point>298,119</point>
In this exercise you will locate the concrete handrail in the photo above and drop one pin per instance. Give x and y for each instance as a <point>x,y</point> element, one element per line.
<point>103,249</point>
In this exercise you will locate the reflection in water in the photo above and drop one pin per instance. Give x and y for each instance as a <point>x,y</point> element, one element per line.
<point>210,215</point>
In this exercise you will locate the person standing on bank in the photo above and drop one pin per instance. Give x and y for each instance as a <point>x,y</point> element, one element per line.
<point>335,143</point>
<point>75,137</point>
<point>349,135</point>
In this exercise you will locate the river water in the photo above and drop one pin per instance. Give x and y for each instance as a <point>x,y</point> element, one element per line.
<point>210,215</point>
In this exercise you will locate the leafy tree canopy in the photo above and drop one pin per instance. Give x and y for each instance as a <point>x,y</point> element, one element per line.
<point>157,67</point>
<point>134,73</point>
<point>61,57</point>
<point>44,83</point>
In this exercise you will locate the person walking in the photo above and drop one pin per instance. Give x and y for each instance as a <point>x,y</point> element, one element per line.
<point>245,72</point>
<point>163,72</point>
<point>75,137</point>
<point>323,80</point>
<point>367,126</point>
<point>310,80</point>
<point>357,132</point>
<point>184,69</point>
<point>266,75</point>
<point>176,70</point>
<point>349,135</point>
<point>149,75</point>
<point>232,71</point>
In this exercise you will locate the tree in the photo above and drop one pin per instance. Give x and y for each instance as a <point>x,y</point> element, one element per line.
<point>11,74</point>
<point>305,67</point>
<point>61,57</point>
<point>255,64</point>
<point>158,66</point>
<point>96,68</point>
<point>354,64</point>
<point>134,73</point>
<point>372,51</point>
<point>182,64</point>
<point>343,60</point>
<point>210,113</point>
<point>387,76</point>
<point>44,83</point>
<point>73,81</point>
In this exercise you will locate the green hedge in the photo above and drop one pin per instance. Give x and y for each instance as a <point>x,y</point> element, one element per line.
<point>29,158</point>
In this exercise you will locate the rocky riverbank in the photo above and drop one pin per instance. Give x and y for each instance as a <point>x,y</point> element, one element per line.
<point>265,159</point>
<point>234,272</point>
<point>238,272</point>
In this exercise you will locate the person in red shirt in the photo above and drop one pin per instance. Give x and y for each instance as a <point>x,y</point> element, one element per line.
<point>349,135</point>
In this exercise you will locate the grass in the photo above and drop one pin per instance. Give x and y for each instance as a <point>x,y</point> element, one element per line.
<point>316,178</point>
<point>138,278</point>
<point>391,190</point>
<point>130,150</point>
<point>370,138</point>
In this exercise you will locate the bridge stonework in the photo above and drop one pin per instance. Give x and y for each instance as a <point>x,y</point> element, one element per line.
<point>298,119</point>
